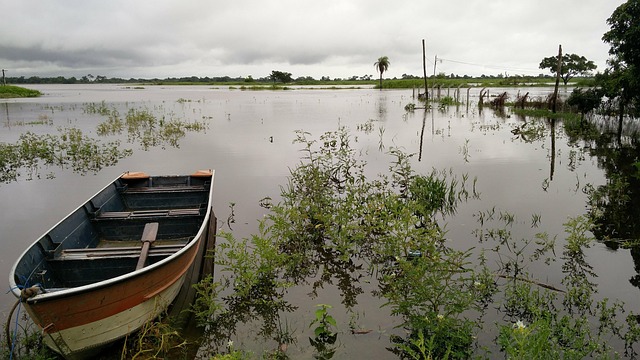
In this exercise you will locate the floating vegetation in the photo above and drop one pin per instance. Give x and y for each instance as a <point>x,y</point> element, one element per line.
<point>366,127</point>
<point>70,148</point>
<point>99,108</point>
<point>448,101</point>
<point>43,119</point>
<point>336,226</point>
<point>260,87</point>
<point>146,129</point>
<point>530,131</point>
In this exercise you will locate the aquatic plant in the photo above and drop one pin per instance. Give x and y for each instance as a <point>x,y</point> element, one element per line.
<point>70,148</point>
<point>337,225</point>
<point>143,127</point>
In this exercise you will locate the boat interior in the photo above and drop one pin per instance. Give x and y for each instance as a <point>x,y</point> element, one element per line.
<point>105,237</point>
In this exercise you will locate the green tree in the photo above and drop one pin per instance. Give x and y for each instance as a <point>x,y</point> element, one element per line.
<point>622,78</point>
<point>281,76</point>
<point>572,65</point>
<point>585,100</point>
<point>382,65</point>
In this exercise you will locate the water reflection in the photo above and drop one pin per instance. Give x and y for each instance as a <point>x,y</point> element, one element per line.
<point>34,155</point>
<point>6,109</point>
<point>235,148</point>
<point>70,148</point>
<point>613,206</point>
<point>553,148</point>
<point>147,129</point>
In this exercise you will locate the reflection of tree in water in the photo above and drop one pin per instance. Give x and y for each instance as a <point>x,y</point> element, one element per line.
<point>382,107</point>
<point>614,207</point>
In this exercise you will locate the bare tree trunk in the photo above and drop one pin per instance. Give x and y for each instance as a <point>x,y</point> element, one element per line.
<point>558,70</point>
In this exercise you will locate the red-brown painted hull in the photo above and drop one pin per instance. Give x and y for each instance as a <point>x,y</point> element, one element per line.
<point>76,320</point>
<point>89,306</point>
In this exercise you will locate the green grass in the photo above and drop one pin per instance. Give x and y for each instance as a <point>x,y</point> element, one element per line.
<point>512,81</point>
<point>10,91</point>
<point>545,113</point>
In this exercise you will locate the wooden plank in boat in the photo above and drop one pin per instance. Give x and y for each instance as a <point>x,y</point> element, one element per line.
<point>147,213</point>
<point>114,252</point>
<point>151,189</point>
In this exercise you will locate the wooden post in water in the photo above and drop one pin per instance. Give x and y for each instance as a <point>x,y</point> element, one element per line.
<point>424,69</point>
<point>558,70</point>
<point>435,61</point>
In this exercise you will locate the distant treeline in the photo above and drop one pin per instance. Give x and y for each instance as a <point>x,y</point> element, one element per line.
<point>406,81</point>
<point>116,80</point>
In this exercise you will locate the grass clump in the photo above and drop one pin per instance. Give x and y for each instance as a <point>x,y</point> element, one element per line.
<point>11,91</point>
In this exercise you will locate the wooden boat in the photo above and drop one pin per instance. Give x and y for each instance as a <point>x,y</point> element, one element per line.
<point>117,261</point>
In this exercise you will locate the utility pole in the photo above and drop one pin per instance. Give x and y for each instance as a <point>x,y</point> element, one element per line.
<point>424,69</point>
<point>4,82</point>
<point>558,70</point>
<point>435,61</point>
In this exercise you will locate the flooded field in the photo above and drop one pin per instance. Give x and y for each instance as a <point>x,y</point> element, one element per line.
<point>530,168</point>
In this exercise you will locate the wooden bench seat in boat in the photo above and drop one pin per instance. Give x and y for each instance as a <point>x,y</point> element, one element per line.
<point>145,189</point>
<point>81,266</point>
<point>110,252</point>
<point>146,213</point>
<point>113,252</point>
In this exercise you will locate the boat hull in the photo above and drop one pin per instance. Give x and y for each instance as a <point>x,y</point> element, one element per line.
<point>78,320</point>
<point>83,340</point>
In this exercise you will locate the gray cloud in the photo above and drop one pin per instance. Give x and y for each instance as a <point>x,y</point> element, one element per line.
<point>332,38</point>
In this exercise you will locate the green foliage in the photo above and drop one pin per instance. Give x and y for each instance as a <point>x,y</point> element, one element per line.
<point>572,65</point>
<point>70,148</point>
<point>545,113</point>
<point>381,66</point>
<point>144,127</point>
<point>546,322</point>
<point>324,335</point>
<point>99,108</point>
<point>622,77</point>
<point>10,91</point>
<point>623,36</point>
<point>585,100</point>
<point>337,225</point>
<point>447,101</point>
<point>334,220</point>
<point>281,76</point>
<point>250,270</point>
<point>264,87</point>
<point>482,82</point>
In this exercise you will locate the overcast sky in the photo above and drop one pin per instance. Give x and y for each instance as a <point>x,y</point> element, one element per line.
<point>334,38</point>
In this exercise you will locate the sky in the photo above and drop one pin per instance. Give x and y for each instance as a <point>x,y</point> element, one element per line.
<point>333,38</point>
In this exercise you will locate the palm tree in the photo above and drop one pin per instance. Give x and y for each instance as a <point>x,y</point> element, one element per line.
<point>382,65</point>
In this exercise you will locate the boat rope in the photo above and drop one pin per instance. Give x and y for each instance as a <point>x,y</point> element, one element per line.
<point>11,340</point>
<point>25,293</point>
